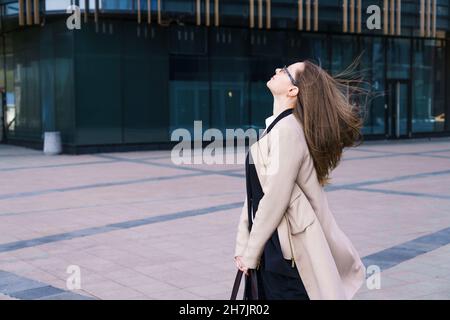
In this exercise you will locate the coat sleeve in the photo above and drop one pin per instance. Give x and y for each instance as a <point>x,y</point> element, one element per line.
<point>242,233</point>
<point>286,153</point>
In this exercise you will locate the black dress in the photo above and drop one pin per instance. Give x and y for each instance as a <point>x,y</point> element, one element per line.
<point>277,279</point>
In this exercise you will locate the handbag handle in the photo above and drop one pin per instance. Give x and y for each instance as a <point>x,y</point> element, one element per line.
<point>237,282</point>
<point>253,284</point>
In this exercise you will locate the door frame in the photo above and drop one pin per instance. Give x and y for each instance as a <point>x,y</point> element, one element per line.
<point>390,112</point>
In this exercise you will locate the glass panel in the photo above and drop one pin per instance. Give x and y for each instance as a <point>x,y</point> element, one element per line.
<point>261,97</point>
<point>308,46</point>
<point>144,84</point>
<point>398,58</point>
<point>330,14</point>
<point>116,5</point>
<point>235,13</point>
<point>428,86</point>
<point>12,9</point>
<point>23,85</point>
<point>181,12</point>
<point>397,108</point>
<point>372,68</point>
<point>64,83</point>
<point>189,92</point>
<point>402,108</point>
<point>98,86</point>
<point>229,79</point>
<point>344,51</point>
<point>284,14</point>
<point>9,86</point>
<point>57,5</point>
<point>188,40</point>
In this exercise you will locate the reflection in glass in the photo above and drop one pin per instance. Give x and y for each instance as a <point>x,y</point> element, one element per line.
<point>428,86</point>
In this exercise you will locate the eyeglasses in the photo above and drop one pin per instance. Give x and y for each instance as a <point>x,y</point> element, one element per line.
<point>294,82</point>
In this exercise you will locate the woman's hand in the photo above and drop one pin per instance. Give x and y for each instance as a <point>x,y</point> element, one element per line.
<point>240,265</point>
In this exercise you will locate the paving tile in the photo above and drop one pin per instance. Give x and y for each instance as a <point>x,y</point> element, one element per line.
<point>116,217</point>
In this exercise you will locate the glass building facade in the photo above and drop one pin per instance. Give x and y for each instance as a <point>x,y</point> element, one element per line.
<point>138,69</point>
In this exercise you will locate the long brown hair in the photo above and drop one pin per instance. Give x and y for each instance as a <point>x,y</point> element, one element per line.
<point>328,108</point>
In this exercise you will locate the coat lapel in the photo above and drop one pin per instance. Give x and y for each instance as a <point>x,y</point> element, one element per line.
<point>260,149</point>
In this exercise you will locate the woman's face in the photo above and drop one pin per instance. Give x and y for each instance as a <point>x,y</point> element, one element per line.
<point>281,83</point>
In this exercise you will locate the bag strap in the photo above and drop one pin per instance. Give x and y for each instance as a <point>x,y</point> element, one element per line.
<point>253,284</point>
<point>237,282</point>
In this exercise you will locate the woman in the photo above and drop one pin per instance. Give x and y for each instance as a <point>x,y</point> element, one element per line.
<point>286,232</point>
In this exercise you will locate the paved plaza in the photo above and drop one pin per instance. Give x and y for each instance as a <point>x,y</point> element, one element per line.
<point>136,226</point>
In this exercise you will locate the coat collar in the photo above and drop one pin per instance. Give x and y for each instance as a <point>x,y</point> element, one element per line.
<point>269,120</point>
<point>273,119</point>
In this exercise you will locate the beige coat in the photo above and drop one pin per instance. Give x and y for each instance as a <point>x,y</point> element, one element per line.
<point>328,264</point>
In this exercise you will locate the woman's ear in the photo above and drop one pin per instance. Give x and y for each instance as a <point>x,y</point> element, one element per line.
<point>293,91</point>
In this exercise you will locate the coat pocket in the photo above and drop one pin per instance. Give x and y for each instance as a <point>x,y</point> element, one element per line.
<point>300,212</point>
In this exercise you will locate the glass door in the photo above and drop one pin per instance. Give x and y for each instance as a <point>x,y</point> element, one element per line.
<point>397,109</point>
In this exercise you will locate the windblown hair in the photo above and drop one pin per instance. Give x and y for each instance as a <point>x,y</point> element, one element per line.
<point>329,109</point>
